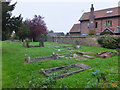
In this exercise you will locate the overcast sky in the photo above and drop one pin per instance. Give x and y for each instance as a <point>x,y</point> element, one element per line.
<point>60,15</point>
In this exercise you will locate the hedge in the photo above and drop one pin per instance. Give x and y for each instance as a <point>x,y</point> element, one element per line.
<point>109,42</point>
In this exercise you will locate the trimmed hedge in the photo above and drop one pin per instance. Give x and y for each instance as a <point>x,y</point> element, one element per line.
<point>109,42</point>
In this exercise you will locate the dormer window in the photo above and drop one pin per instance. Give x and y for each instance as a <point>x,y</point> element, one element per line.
<point>109,11</point>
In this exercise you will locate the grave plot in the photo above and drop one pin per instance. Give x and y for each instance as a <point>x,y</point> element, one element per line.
<point>68,55</point>
<point>77,56</point>
<point>27,44</point>
<point>106,54</point>
<point>51,57</point>
<point>64,71</point>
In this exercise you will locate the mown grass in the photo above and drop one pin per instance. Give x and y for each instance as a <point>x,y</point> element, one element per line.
<point>0,64</point>
<point>13,63</point>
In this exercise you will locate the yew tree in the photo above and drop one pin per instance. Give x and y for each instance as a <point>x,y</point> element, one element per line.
<point>9,23</point>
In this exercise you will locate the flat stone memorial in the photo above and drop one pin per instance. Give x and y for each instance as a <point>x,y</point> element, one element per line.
<point>106,54</point>
<point>86,56</point>
<point>82,53</point>
<point>64,71</point>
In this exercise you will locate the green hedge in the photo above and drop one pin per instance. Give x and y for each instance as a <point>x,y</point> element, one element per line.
<point>109,42</point>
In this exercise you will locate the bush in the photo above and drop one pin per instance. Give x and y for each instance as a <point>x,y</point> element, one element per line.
<point>104,33</point>
<point>35,82</point>
<point>99,80</point>
<point>109,42</point>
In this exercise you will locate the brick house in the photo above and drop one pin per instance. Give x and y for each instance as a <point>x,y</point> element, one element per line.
<point>105,20</point>
<point>75,30</point>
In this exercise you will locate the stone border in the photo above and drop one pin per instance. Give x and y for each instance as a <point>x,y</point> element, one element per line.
<point>83,66</point>
<point>36,59</point>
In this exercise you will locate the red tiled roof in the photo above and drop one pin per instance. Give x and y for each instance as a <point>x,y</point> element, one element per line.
<point>75,28</point>
<point>101,13</point>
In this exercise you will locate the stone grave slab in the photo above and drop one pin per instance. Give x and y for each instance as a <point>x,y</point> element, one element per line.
<point>82,53</point>
<point>106,54</point>
<point>86,56</point>
<point>82,58</point>
<point>64,71</point>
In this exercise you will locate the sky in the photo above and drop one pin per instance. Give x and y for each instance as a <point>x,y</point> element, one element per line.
<point>59,15</point>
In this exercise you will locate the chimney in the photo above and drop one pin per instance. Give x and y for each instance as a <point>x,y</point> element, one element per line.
<point>92,8</point>
<point>92,19</point>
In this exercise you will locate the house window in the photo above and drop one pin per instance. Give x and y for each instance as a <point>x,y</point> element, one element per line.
<point>96,24</point>
<point>109,23</point>
<point>88,25</point>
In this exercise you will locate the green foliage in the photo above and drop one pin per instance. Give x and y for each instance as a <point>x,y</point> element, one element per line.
<point>14,38</point>
<point>91,32</point>
<point>35,82</point>
<point>109,42</point>
<point>104,33</point>
<point>23,31</point>
<point>9,24</point>
<point>98,80</point>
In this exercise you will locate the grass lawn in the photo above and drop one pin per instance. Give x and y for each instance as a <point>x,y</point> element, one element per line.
<point>13,63</point>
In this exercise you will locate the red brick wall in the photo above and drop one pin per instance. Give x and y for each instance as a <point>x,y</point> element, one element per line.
<point>85,29</point>
<point>114,22</point>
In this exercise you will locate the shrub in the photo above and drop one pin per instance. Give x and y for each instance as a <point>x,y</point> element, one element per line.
<point>35,82</point>
<point>99,80</point>
<point>109,42</point>
<point>104,33</point>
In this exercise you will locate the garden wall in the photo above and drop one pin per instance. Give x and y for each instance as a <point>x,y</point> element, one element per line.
<point>83,40</point>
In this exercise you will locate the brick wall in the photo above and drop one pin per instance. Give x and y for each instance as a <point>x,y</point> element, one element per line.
<point>101,25</point>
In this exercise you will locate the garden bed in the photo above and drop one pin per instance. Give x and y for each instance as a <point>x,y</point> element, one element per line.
<point>64,71</point>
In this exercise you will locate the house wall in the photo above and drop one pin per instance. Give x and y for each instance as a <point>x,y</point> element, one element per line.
<point>101,25</point>
<point>84,27</point>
